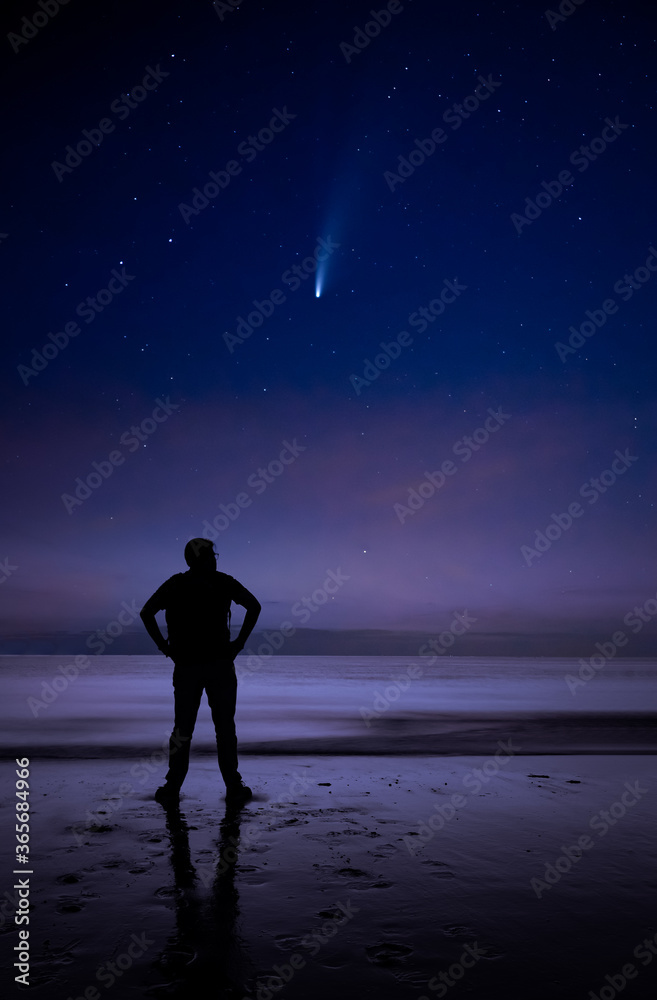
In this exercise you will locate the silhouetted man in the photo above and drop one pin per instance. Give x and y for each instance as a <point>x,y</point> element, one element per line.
<point>197,605</point>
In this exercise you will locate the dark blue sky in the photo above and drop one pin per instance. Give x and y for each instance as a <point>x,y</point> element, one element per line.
<point>503,213</point>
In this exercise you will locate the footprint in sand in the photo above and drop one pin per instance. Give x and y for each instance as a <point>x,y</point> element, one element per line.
<point>384,851</point>
<point>287,942</point>
<point>69,905</point>
<point>438,868</point>
<point>468,933</point>
<point>458,930</point>
<point>251,874</point>
<point>373,881</point>
<point>140,869</point>
<point>492,954</point>
<point>68,879</point>
<point>168,892</point>
<point>388,953</point>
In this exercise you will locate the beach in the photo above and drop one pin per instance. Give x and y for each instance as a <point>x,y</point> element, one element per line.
<point>473,830</point>
<point>370,876</point>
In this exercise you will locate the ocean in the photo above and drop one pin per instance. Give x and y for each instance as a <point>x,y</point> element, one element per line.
<point>122,706</point>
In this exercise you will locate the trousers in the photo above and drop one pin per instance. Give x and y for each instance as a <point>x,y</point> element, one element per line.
<point>219,682</point>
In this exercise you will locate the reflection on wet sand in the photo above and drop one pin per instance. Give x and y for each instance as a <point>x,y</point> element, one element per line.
<point>205,949</point>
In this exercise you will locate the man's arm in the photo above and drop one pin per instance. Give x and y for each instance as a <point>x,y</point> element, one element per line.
<point>147,613</point>
<point>253,609</point>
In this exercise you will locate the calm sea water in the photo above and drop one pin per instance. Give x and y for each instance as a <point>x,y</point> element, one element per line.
<point>123,705</point>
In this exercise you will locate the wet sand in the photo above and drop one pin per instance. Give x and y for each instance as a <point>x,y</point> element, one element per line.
<point>361,876</point>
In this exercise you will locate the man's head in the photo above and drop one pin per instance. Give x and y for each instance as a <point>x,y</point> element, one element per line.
<point>200,555</point>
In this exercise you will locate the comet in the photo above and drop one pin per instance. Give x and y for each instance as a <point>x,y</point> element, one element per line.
<point>319,279</point>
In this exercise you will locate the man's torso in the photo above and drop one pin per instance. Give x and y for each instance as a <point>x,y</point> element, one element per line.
<point>197,607</point>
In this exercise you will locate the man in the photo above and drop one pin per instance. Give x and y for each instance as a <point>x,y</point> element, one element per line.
<point>197,605</point>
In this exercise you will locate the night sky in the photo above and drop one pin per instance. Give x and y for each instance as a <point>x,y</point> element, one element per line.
<point>477,183</point>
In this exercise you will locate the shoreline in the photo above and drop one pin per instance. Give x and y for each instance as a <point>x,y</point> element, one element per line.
<point>454,734</point>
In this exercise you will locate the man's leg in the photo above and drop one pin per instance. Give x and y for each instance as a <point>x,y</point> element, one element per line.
<point>187,691</point>
<point>221,688</point>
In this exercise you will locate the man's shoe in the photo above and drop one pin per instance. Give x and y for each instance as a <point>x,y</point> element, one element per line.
<point>238,792</point>
<point>167,795</point>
